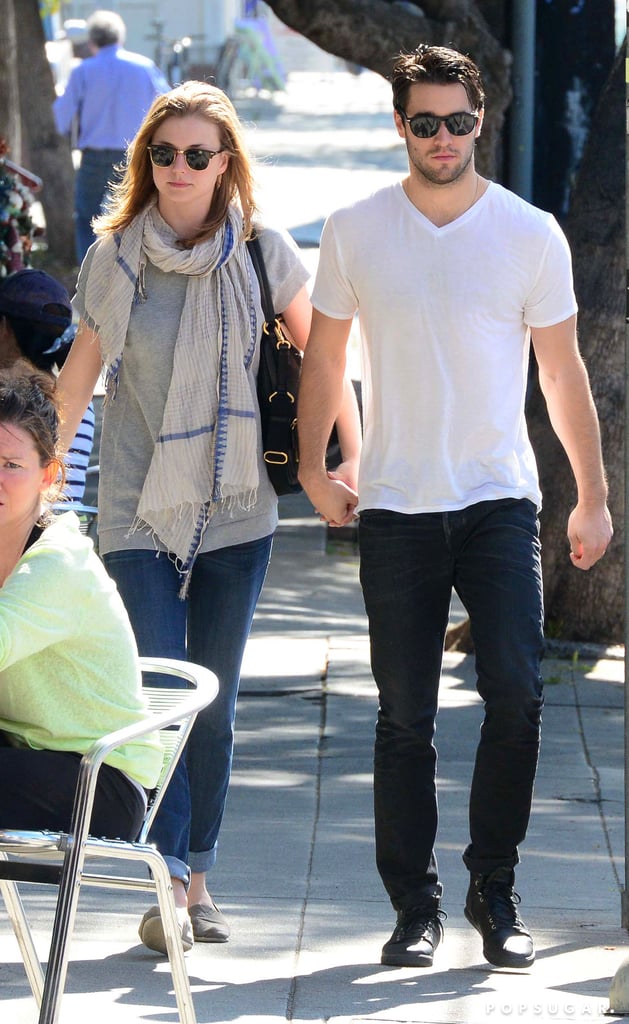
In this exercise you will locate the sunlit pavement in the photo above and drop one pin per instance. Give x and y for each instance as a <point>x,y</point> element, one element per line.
<point>326,141</point>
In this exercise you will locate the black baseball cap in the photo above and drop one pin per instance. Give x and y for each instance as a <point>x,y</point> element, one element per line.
<point>36,296</point>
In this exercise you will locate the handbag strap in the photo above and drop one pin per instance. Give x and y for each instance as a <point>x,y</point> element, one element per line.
<point>255,251</point>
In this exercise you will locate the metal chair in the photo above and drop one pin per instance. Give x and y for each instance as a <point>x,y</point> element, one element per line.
<point>60,858</point>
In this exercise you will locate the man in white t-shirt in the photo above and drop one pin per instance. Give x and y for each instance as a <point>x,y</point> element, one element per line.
<point>453,277</point>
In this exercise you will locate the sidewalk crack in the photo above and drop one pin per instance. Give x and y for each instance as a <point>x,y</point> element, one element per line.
<point>321,741</point>
<point>596,781</point>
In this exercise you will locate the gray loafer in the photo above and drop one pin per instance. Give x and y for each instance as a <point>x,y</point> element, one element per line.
<point>208,923</point>
<point>151,931</point>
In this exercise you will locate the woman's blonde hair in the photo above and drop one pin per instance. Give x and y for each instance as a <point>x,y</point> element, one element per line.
<point>136,189</point>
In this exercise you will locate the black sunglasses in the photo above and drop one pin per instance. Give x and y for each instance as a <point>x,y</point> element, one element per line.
<point>426,126</point>
<point>196,159</point>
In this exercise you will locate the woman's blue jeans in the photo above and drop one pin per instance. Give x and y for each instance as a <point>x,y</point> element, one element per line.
<point>210,628</point>
<point>490,554</point>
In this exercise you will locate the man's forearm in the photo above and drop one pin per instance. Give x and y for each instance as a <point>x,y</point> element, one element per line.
<point>320,398</point>
<point>575,422</point>
<point>323,394</point>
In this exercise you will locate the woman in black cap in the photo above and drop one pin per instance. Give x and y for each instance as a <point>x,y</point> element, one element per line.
<point>36,324</point>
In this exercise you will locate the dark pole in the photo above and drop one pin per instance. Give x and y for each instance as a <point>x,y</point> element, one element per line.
<point>523,105</point>
<point>624,905</point>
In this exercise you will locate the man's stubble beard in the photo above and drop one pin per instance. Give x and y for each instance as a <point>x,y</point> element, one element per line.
<point>434,177</point>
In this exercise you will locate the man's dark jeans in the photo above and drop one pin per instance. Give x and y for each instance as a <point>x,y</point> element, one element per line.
<point>96,173</point>
<point>490,554</point>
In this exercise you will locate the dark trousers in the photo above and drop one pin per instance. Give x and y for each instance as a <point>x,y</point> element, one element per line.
<point>490,554</point>
<point>96,172</point>
<point>37,792</point>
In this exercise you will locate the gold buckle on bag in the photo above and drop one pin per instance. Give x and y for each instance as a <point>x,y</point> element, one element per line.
<point>287,394</point>
<point>276,458</point>
<point>281,340</point>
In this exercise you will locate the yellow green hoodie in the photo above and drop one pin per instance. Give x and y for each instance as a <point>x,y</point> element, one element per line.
<point>69,670</point>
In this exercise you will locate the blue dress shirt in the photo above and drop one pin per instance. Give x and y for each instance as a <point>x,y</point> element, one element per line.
<point>107,96</point>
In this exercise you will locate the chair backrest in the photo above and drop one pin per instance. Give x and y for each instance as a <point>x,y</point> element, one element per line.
<point>162,700</point>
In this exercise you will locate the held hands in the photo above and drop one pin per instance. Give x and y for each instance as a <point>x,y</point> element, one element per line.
<point>334,494</point>
<point>590,531</point>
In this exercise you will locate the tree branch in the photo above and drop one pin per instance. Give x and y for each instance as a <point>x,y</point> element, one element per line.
<point>372,32</point>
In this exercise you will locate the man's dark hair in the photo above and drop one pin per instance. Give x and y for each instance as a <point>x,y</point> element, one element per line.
<point>436,65</point>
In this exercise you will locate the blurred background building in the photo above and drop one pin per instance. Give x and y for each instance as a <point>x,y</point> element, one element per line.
<point>185,39</point>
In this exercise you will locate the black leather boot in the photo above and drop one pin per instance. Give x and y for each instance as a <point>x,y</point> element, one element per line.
<point>415,937</point>
<point>492,908</point>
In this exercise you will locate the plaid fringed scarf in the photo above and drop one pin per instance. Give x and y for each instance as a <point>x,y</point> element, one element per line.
<point>205,455</point>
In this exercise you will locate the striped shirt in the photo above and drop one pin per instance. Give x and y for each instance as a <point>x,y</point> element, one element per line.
<point>78,457</point>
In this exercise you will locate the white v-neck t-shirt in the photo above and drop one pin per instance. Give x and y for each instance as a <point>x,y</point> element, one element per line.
<point>444,317</point>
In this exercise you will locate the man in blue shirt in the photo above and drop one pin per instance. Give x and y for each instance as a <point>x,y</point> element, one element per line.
<point>103,105</point>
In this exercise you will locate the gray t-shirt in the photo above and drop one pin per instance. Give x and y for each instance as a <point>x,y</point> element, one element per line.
<point>132,421</point>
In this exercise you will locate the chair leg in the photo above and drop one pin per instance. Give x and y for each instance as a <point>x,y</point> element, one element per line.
<point>63,925</point>
<point>19,922</point>
<point>181,982</point>
<point>49,990</point>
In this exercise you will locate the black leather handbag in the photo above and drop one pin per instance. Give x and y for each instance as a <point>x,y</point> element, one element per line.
<point>278,388</point>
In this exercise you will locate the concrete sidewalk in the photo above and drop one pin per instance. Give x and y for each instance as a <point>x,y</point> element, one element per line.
<point>296,873</point>
<point>325,142</point>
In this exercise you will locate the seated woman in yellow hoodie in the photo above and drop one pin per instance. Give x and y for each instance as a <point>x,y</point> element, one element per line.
<point>69,670</point>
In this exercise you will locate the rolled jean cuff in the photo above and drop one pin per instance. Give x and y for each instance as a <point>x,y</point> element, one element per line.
<point>177,869</point>
<point>203,860</point>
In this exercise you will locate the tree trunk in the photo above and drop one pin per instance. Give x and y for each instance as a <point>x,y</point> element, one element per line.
<point>567,91</point>
<point>45,151</point>
<point>372,32</point>
<point>589,605</point>
<point>9,108</point>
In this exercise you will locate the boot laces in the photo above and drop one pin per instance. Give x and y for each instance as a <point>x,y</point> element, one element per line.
<point>416,919</point>
<point>502,903</point>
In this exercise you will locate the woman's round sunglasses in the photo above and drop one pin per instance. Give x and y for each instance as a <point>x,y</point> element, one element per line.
<point>426,126</point>
<point>196,159</point>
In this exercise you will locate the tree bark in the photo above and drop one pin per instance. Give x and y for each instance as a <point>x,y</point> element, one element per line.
<point>45,151</point>
<point>372,32</point>
<point>589,605</point>
<point>10,129</point>
<point>567,91</point>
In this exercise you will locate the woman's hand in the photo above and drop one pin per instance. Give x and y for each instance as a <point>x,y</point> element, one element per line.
<point>333,500</point>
